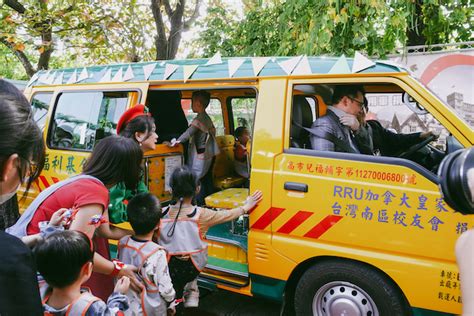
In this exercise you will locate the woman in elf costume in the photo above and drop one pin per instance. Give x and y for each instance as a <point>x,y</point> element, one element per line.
<point>138,124</point>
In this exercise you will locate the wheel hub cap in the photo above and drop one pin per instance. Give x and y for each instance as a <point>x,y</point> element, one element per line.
<point>343,299</point>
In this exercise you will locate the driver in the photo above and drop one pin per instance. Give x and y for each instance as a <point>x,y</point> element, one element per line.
<point>383,142</point>
<point>338,129</point>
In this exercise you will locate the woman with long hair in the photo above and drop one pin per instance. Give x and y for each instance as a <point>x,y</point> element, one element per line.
<point>115,159</point>
<point>137,124</point>
<point>21,161</point>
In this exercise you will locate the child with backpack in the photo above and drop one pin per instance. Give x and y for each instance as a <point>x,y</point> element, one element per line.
<point>183,229</point>
<point>144,214</point>
<point>64,259</point>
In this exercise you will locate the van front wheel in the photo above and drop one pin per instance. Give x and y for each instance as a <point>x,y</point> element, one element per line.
<point>346,288</point>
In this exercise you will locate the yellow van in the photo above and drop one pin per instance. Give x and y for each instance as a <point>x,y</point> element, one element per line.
<point>368,235</point>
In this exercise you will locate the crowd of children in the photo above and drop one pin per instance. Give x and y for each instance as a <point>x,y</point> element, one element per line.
<point>168,248</point>
<point>156,261</point>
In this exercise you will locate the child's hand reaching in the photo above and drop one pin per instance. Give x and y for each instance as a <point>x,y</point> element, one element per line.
<point>252,201</point>
<point>59,217</point>
<point>173,142</point>
<point>122,286</point>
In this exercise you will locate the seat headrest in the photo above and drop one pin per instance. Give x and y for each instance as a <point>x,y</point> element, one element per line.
<point>301,114</point>
<point>225,141</point>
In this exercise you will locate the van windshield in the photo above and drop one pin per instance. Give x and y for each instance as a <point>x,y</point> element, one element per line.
<point>455,101</point>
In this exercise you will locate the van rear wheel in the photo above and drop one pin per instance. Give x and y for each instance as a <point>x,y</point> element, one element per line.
<point>346,288</point>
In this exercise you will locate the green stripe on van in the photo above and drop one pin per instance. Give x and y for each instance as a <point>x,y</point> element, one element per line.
<point>238,267</point>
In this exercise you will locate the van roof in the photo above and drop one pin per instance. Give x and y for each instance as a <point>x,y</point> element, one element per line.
<point>273,68</point>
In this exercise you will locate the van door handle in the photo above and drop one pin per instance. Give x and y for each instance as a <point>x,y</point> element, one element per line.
<point>296,186</point>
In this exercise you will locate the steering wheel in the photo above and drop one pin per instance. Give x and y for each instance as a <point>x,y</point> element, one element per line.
<point>410,151</point>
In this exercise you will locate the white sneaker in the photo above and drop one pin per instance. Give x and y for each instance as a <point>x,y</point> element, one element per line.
<point>192,300</point>
<point>191,294</point>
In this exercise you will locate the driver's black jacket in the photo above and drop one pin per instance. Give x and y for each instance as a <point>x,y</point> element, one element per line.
<point>384,141</point>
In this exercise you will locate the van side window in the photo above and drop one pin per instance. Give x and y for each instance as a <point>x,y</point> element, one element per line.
<point>390,124</point>
<point>243,110</point>
<point>40,105</point>
<point>214,110</point>
<point>83,118</point>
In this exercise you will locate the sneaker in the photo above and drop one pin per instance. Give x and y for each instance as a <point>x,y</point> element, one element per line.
<point>191,294</point>
<point>191,300</point>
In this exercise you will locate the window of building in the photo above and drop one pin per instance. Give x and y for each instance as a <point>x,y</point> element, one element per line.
<point>83,118</point>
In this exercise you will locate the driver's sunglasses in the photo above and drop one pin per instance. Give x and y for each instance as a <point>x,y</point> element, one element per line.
<point>364,105</point>
<point>361,103</point>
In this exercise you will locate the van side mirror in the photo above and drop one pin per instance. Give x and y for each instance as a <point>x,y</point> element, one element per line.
<point>412,104</point>
<point>456,174</point>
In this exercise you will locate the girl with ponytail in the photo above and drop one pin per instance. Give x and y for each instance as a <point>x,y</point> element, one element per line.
<point>184,226</point>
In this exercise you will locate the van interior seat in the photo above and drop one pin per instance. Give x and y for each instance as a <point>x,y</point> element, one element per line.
<point>229,198</point>
<point>301,116</point>
<point>223,170</point>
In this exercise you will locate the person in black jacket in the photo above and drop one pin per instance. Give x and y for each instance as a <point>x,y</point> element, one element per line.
<point>21,161</point>
<point>381,141</point>
<point>339,130</point>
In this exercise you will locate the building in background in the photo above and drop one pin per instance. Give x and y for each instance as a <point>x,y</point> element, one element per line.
<point>466,110</point>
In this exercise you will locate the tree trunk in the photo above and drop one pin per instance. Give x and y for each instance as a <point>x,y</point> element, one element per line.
<point>47,40</point>
<point>177,23</point>
<point>167,47</point>
<point>161,44</point>
<point>415,32</point>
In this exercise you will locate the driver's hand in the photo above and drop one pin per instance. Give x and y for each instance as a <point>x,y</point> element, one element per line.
<point>425,135</point>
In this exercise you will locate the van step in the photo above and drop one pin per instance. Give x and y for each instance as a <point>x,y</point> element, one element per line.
<point>223,278</point>
<point>228,266</point>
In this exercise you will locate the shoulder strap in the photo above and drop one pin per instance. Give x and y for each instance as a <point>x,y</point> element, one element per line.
<point>201,125</point>
<point>193,213</point>
<point>19,229</point>
<point>82,304</point>
<point>333,139</point>
<point>165,212</point>
<point>122,243</point>
<point>329,137</point>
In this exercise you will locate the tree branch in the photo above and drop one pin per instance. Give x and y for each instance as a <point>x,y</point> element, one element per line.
<point>21,56</point>
<point>168,9</point>
<point>187,24</point>
<point>81,27</point>
<point>15,5</point>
